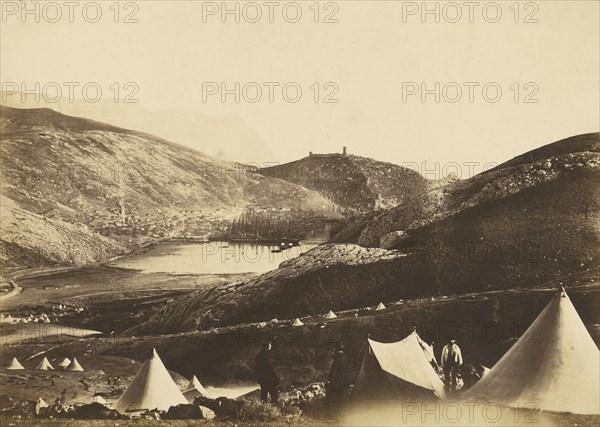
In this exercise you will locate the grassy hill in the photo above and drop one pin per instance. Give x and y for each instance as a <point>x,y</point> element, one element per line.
<point>75,191</point>
<point>518,226</point>
<point>357,184</point>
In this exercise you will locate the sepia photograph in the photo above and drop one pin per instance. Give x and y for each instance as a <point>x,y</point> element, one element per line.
<point>240,213</point>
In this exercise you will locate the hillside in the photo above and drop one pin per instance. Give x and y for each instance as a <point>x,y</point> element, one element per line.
<point>357,184</point>
<point>562,159</point>
<point>70,181</point>
<point>517,226</point>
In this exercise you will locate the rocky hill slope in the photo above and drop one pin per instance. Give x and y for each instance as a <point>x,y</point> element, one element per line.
<point>568,159</point>
<point>357,184</point>
<point>69,181</point>
<point>531,220</point>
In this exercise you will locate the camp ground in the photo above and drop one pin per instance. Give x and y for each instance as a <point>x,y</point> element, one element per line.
<point>389,375</point>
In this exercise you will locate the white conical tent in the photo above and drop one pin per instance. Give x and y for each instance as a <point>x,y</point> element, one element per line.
<point>74,366</point>
<point>398,370</point>
<point>39,405</point>
<point>297,322</point>
<point>195,384</point>
<point>555,364</point>
<point>65,362</point>
<point>44,365</point>
<point>151,388</point>
<point>380,306</point>
<point>193,389</point>
<point>15,365</point>
<point>99,399</point>
<point>330,315</point>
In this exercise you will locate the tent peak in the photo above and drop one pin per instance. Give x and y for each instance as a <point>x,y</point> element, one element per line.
<point>152,387</point>
<point>15,364</point>
<point>566,382</point>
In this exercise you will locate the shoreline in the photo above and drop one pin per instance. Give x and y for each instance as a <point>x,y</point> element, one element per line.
<point>15,278</point>
<point>141,248</point>
<point>15,289</point>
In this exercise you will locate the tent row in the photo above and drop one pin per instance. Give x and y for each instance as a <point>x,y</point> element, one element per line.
<point>403,369</point>
<point>43,318</point>
<point>45,365</point>
<point>329,315</point>
<point>554,364</point>
<point>151,388</point>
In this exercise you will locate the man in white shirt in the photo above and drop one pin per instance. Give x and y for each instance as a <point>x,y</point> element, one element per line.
<point>451,362</point>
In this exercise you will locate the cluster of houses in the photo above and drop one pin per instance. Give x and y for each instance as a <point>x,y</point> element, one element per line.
<point>156,224</point>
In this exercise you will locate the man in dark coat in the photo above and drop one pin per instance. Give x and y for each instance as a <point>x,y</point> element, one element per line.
<point>337,385</point>
<point>266,375</point>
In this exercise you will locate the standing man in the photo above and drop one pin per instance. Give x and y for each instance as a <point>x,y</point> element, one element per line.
<point>337,385</point>
<point>266,375</point>
<point>451,362</point>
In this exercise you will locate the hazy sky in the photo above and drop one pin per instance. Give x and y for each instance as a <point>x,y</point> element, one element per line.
<point>373,53</point>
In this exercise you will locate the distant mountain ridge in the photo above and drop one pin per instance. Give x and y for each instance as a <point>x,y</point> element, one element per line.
<point>224,136</point>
